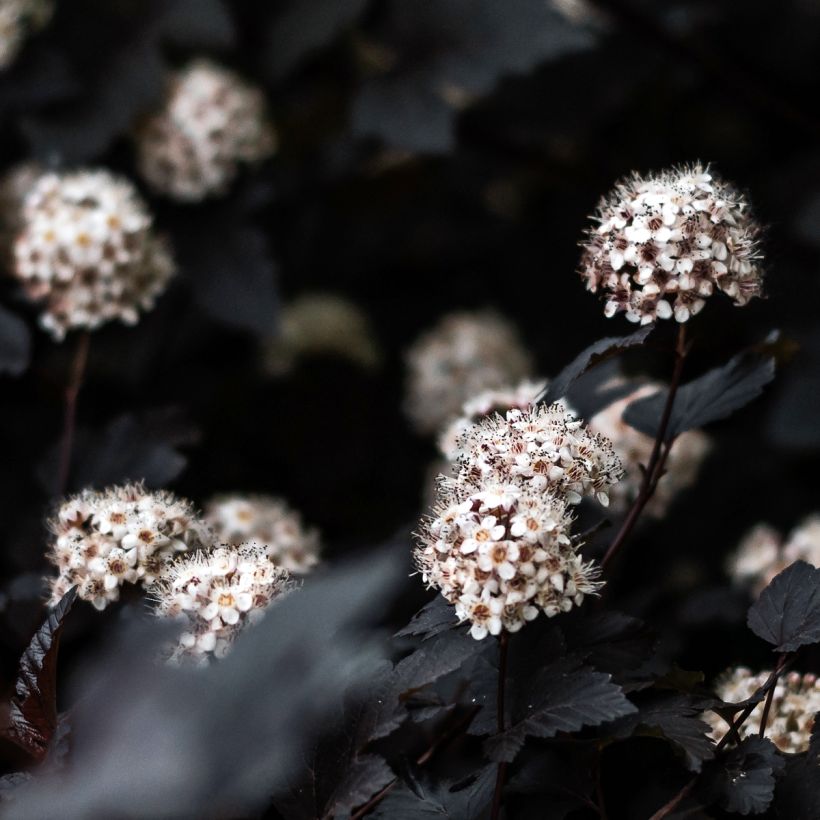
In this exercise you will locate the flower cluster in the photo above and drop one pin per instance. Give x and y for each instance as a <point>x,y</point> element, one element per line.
<point>19,18</point>
<point>210,122</point>
<point>103,540</point>
<point>763,553</point>
<point>269,522</point>
<point>321,324</point>
<point>217,593</point>
<point>497,545</point>
<point>87,250</point>
<point>665,242</point>
<point>795,702</point>
<point>634,449</point>
<point>464,354</point>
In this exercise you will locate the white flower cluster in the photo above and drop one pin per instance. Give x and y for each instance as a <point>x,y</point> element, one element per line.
<point>217,593</point>
<point>18,19</point>
<point>87,250</point>
<point>269,522</point>
<point>764,553</point>
<point>795,702</point>
<point>497,545</point>
<point>103,540</point>
<point>464,354</point>
<point>634,449</point>
<point>664,244</point>
<point>321,324</point>
<point>210,122</point>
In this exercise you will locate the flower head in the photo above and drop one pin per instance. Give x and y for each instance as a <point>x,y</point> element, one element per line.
<point>210,121</point>
<point>464,354</point>
<point>795,702</point>
<point>664,243</point>
<point>216,594</point>
<point>102,540</point>
<point>87,250</point>
<point>269,522</point>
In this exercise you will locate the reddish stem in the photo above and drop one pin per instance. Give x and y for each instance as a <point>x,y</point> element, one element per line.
<point>72,393</point>
<point>503,642</point>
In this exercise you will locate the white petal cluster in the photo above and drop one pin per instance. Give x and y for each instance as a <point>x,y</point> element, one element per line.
<point>497,545</point>
<point>795,702</point>
<point>321,324</point>
<point>497,400</point>
<point>87,250</point>
<point>210,121</point>
<point>464,354</point>
<point>121,535</point>
<point>764,553</point>
<point>666,242</point>
<point>18,19</point>
<point>634,449</point>
<point>217,594</point>
<point>269,522</point>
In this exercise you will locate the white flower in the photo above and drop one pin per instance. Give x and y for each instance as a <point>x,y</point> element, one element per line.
<point>210,122</point>
<point>463,355</point>
<point>86,249</point>
<point>665,242</point>
<point>268,521</point>
<point>217,594</point>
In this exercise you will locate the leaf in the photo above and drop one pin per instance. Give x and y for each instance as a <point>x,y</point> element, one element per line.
<point>677,717</point>
<point>419,798</point>
<point>593,355</point>
<point>562,698</point>
<point>713,396</point>
<point>444,53</point>
<point>787,613</point>
<point>432,619</point>
<point>15,343</point>
<point>743,780</point>
<point>33,718</point>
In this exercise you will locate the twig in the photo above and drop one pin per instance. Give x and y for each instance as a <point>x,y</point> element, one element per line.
<point>657,459</point>
<point>72,392</point>
<point>501,772</point>
<point>764,718</point>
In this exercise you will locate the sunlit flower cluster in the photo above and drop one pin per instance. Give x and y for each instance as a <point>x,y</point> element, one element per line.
<point>269,522</point>
<point>210,122</point>
<point>18,19</point>
<point>87,250</point>
<point>664,244</point>
<point>463,355</point>
<point>497,545</point>
<point>795,702</point>
<point>217,594</point>
<point>321,324</point>
<point>102,540</point>
<point>634,449</point>
<point>764,552</point>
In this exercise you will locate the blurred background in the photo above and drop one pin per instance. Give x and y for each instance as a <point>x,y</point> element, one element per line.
<point>432,156</point>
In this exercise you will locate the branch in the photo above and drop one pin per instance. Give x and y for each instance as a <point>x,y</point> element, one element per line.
<point>503,642</point>
<point>72,392</point>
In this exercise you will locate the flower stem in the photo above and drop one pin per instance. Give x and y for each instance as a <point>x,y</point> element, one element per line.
<point>657,459</point>
<point>503,642</point>
<point>72,392</point>
<point>764,718</point>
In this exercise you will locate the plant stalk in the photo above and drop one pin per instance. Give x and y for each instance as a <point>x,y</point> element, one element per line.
<point>72,393</point>
<point>503,641</point>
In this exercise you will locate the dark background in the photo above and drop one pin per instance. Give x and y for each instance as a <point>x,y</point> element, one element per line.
<point>382,192</point>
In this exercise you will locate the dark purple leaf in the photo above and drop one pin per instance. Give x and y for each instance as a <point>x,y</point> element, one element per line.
<point>432,619</point>
<point>787,613</point>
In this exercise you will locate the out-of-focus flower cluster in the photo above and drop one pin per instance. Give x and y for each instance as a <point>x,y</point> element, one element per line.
<point>210,122</point>
<point>497,545</point>
<point>634,449</point>
<point>764,552</point>
<point>87,250</point>
<point>664,244</point>
<point>795,702</point>
<point>216,594</point>
<point>121,535</point>
<point>321,324</point>
<point>19,19</point>
<point>269,522</point>
<point>463,355</point>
